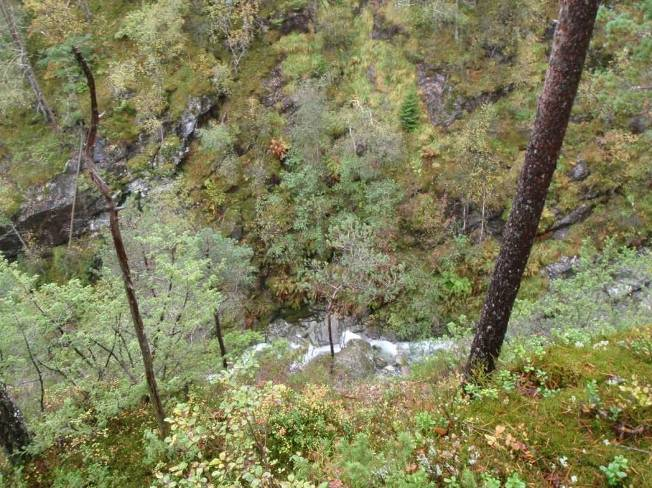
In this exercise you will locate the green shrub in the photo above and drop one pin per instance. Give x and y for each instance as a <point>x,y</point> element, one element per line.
<point>616,471</point>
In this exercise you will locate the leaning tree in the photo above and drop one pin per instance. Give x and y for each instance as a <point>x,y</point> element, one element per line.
<point>118,244</point>
<point>571,43</point>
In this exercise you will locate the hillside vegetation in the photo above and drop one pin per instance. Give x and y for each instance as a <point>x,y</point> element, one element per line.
<point>287,162</point>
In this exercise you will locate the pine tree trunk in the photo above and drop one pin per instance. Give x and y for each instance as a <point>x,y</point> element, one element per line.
<point>220,338</point>
<point>14,435</point>
<point>570,46</point>
<point>41,105</point>
<point>121,252</point>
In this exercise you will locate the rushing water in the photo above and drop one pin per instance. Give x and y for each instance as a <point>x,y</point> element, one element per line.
<point>393,353</point>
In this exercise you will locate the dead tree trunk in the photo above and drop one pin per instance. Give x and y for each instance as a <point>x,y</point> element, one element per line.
<point>571,43</point>
<point>220,338</point>
<point>329,314</point>
<point>41,105</point>
<point>14,435</point>
<point>120,250</point>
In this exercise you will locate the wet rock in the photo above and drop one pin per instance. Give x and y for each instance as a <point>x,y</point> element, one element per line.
<point>578,215</point>
<point>443,104</point>
<point>493,222</point>
<point>273,95</point>
<point>197,108</point>
<point>356,360</point>
<point>471,104</point>
<point>45,217</point>
<point>282,329</point>
<point>580,171</point>
<point>437,96</point>
<point>563,268</point>
<point>640,123</point>
<point>626,283</point>
<point>313,330</point>
<point>295,21</point>
<point>384,30</point>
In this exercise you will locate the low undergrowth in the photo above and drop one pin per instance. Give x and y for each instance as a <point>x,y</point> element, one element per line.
<point>565,415</point>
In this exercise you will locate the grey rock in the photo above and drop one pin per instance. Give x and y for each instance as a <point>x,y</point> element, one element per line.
<point>45,216</point>
<point>576,216</point>
<point>443,104</point>
<point>640,123</point>
<point>626,283</point>
<point>197,108</point>
<point>561,234</point>
<point>580,171</point>
<point>273,95</point>
<point>313,330</point>
<point>494,223</point>
<point>298,21</point>
<point>562,268</point>
<point>356,360</point>
<point>383,30</point>
<point>437,96</point>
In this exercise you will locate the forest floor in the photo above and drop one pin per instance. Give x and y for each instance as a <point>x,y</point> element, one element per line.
<point>573,414</point>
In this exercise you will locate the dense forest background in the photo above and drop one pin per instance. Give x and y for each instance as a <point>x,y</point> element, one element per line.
<point>404,123</point>
<point>282,159</point>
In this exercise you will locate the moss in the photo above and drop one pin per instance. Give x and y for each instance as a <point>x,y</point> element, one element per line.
<point>35,152</point>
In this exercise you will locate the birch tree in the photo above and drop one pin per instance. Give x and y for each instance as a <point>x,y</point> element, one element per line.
<point>22,58</point>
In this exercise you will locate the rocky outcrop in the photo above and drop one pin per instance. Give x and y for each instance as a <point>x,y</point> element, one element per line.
<point>197,109</point>
<point>273,95</point>
<point>359,349</point>
<point>623,296</point>
<point>44,218</point>
<point>313,330</point>
<point>493,222</point>
<point>298,20</point>
<point>563,268</point>
<point>579,172</point>
<point>560,227</point>
<point>437,96</point>
<point>629,283</point>
<point>640,123</point>
<point>443,103</point>
<point>383,29</point>
<point>356,360</point>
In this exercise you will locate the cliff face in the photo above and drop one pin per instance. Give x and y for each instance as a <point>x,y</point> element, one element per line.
<point>44,218</point>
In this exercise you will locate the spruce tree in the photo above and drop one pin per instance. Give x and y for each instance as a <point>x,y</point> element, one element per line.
<point>410,111</point>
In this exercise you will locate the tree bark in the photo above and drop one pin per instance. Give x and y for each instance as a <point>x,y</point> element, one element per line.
<point>41,105</point>
<point>120,250</point>
<point>220,338</point>
<point>570,46</point>
<point>74,196</point>
<point>330,331</point>
<point>14,435</point>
